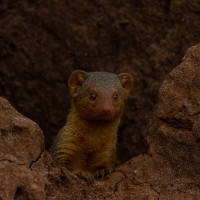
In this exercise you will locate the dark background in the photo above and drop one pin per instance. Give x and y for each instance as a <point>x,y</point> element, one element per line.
<point>42,42</point>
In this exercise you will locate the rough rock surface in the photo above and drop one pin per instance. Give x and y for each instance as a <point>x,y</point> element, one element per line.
<point>21,144</point>
<point>174,131</point>
<point>41,42</point>
<point>171,170</point>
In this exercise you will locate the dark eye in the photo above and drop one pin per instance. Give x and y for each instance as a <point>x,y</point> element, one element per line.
<point>115,97</point>
<point>93,96</point>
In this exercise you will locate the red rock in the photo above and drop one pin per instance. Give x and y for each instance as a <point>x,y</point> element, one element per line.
<point>17,135</point>
<point>21,144</point>
<point>174,129</point>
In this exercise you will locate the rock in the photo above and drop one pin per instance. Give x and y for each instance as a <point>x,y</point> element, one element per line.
<point>64,185</point>
<point>19,182</point>
<point>21,144</point>
<point>175,128</point>
<point>17,134</point>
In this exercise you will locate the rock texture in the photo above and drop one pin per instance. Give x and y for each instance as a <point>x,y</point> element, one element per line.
<point>21,144</point>
<point>42,42</point>
<point>171,170</point>
<point>174,131</point>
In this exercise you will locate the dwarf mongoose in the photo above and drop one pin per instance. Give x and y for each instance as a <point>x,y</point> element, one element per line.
<point>86,145</point>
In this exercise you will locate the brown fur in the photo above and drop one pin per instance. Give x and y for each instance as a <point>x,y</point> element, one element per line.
<point>86,145</point>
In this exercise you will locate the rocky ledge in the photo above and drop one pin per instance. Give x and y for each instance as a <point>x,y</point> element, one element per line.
<point>171,170</point>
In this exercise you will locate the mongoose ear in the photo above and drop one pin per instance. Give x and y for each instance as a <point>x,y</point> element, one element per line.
<point>76,79</point>
<point>127,82</point>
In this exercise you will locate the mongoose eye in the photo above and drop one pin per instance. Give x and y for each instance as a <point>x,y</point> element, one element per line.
<point>93,96</point>
<point>115,97</point>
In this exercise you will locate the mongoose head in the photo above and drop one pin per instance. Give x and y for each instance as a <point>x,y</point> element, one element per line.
<point>99,95</point>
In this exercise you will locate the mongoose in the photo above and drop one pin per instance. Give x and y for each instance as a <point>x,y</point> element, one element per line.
<point>86,145</point>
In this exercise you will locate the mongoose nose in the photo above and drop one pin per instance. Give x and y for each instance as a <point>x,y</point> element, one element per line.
<point>106,110</point>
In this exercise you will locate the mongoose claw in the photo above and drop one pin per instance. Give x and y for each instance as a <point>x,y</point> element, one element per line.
<point>88,179</point>
<point>102,173</point>
<point>87,176</point>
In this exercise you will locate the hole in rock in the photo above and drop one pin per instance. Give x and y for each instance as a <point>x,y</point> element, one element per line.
<point>20,194</point>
